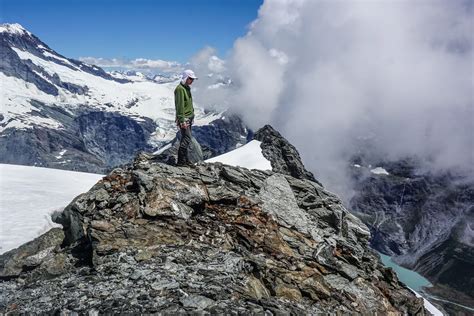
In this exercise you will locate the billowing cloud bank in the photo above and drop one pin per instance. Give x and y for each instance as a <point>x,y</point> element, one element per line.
<point>327,74</point>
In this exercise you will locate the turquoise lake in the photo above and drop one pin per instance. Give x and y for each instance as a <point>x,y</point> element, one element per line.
<point>410,278</point>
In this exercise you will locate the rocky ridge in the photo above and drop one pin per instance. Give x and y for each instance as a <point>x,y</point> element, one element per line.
<point>150,237</point>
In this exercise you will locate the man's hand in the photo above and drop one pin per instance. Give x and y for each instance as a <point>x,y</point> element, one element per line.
<point>183,125</point>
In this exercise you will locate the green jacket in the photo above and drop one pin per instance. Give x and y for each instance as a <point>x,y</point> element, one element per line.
<point>183,102</point>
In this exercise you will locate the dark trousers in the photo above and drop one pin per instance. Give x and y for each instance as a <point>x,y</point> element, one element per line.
<point>184,145</point>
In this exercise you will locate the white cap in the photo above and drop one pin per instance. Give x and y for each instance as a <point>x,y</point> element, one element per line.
<point>188,73</point>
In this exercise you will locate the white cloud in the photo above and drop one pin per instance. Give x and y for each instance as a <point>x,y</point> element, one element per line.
<point>216,64</point>
<point>205,61</point>
<point>213,75</point>
<point>279,55</point>
<point>135,64</point>
<point>326,73</point>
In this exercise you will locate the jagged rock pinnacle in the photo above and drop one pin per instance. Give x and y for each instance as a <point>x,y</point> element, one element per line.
<point>282,155</point>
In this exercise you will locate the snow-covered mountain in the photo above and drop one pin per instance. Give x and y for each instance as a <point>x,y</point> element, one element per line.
<point>33,71</point>
<point>137,76</point>
<point>63,113</point>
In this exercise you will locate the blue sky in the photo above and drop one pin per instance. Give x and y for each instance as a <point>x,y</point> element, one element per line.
<point>161,29</point>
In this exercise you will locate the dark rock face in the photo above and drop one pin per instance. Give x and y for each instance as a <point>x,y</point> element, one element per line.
<point>222,135</point>
<point>113,137</point>
<point>217,138</point>
<point>213,239</point>
<point>424,221</point>
<point>282,155</point>
<point>90,141</point>
<point>14,66</point>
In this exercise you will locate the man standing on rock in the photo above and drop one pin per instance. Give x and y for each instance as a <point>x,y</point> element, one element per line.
<point>183,102</point>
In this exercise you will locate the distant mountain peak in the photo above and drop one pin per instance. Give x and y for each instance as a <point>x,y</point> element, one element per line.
<point>13,28</point>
